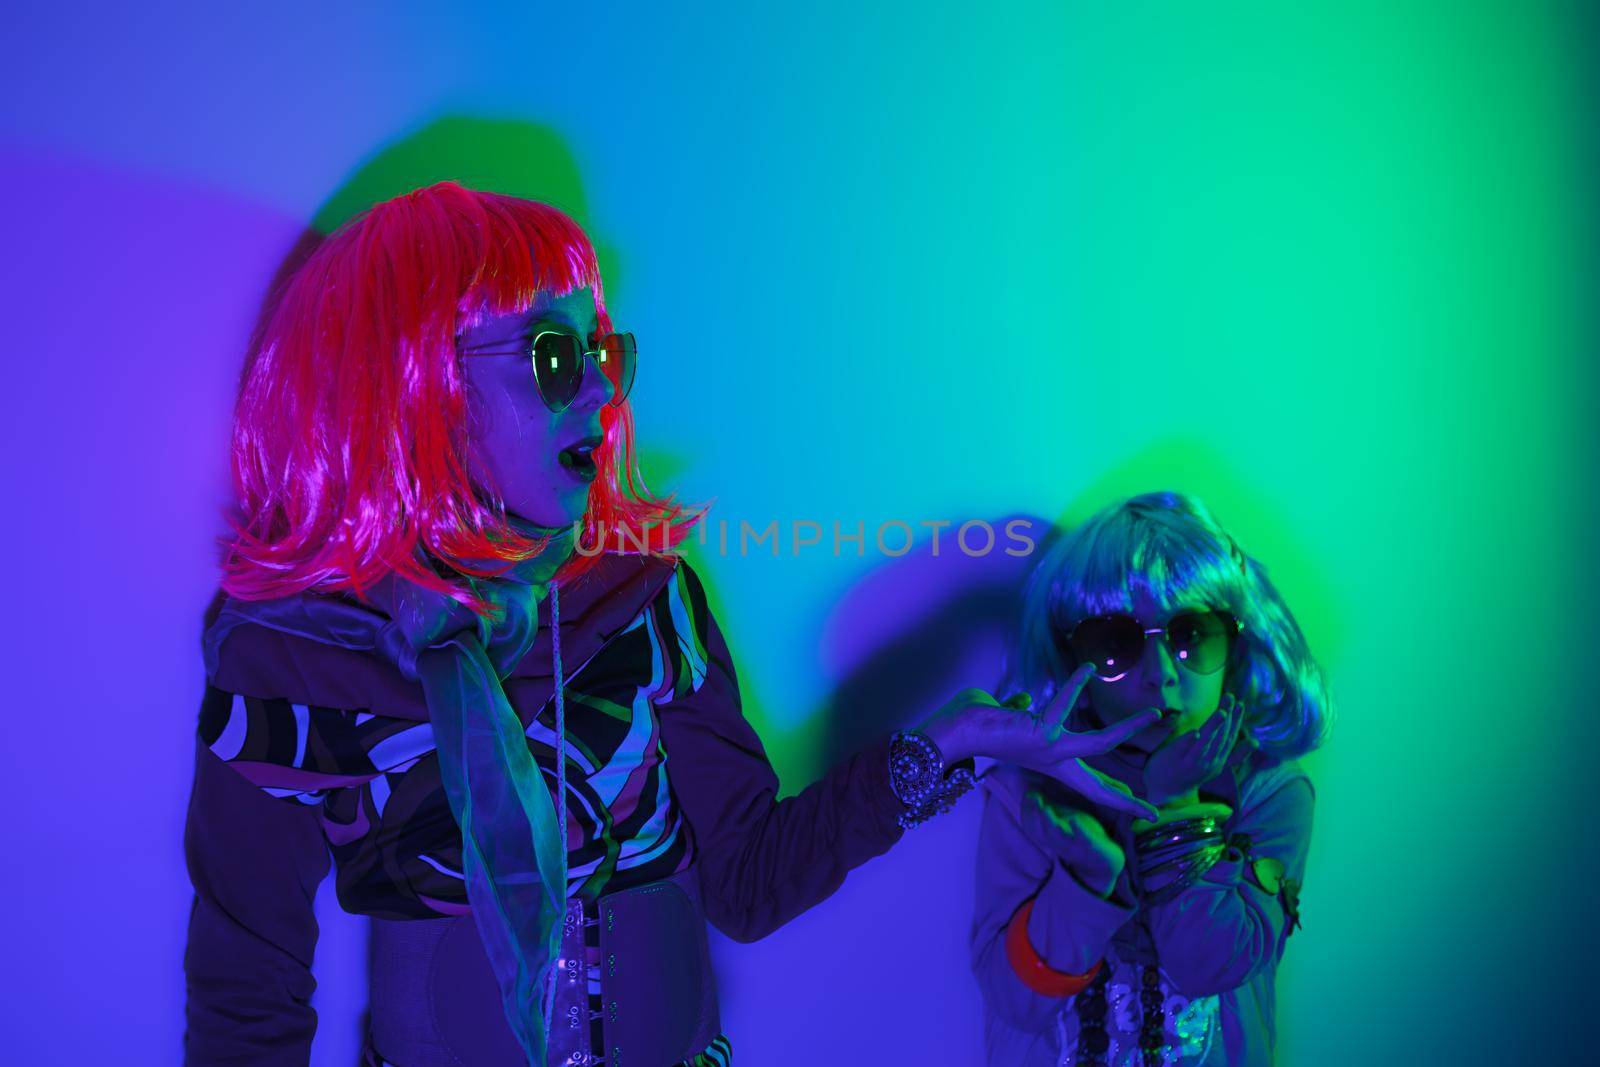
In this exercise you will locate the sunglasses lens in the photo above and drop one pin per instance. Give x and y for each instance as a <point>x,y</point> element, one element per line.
<point>1112,644</point>
<point>558,368</point>
<point>1200,640</point>
<point>618,357</point>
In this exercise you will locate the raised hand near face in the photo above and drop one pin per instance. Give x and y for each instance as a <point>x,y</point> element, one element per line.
<point>1185,761</point>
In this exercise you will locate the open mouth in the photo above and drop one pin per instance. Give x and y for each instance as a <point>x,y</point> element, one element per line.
<point>578,458</point>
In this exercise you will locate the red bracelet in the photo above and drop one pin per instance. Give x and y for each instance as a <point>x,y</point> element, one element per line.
<point>1035,973</point>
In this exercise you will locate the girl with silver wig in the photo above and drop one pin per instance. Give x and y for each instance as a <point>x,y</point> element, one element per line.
<point>1105,938</point>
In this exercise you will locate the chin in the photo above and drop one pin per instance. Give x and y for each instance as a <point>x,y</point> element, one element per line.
<point>555,507</point>
<point>554,515</point>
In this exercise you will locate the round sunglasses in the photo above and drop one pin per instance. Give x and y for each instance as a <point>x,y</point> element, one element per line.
<point>1199,640</point>
<point>559,361</point>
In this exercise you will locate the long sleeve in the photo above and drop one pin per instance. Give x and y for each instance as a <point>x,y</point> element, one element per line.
<point>1226,928</point>
<point>255,861</point>
<point>1070,927</point>
<point>762,860</point>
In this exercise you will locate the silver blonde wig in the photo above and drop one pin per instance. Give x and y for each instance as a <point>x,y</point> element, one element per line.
<point>1168,545</point>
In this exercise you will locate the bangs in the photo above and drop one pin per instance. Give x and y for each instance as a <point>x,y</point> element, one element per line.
<point>1129,552</point>
<point>516,250</point>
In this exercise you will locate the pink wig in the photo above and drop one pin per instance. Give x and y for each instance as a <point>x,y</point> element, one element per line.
<point>349,435</point>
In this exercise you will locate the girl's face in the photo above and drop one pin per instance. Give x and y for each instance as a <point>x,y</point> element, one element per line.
<point>518,443</point>
<point>1157,680</point>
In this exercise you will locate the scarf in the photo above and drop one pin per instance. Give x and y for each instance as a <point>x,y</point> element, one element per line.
<point>514,850</point>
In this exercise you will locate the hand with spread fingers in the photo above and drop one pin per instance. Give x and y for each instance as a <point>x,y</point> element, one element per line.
<point>1184,761</point>
<point>974,723</point>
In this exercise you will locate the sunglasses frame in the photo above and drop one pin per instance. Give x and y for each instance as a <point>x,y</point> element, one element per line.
<point>530,353</point>
<point>1066,643</point>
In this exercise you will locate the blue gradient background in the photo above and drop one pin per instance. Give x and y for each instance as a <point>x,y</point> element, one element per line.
<point>1330,268</point>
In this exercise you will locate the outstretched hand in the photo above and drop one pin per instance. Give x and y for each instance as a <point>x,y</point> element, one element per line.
<point>974,723</point>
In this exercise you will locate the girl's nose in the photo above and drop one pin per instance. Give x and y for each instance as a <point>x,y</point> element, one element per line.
<point>596,389</point>
<point>1158,666</point>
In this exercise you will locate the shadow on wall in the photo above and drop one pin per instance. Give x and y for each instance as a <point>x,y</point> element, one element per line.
<point>920,628</point>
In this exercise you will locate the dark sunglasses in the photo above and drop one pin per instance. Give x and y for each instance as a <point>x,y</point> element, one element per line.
<point>559,363</point>
<point>1199,640</point>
